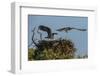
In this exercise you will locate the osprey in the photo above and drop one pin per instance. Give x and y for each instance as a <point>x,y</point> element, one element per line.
<point>66,29</point>
<point>48,30</point>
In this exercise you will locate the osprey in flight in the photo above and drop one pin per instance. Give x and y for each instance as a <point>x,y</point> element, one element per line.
<point>66,29</point>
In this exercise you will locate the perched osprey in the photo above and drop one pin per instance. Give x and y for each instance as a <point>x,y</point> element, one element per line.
<point>48,30</point>
<point>66,29</point>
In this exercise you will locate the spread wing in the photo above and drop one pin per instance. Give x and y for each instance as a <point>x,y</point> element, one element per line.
<point>80,29</point>
<point>70,28</point>
<point>46,29</point>
<point>61,29</point>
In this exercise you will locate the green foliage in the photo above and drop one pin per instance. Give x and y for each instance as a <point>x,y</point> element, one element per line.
<point>80,57</point>
<point>64,50</point>
<point>31,53</point>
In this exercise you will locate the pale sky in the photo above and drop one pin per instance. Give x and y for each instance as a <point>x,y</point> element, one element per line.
<point>79,38</point>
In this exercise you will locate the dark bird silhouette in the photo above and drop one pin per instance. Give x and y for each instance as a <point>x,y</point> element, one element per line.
<point>66,29</point>
<point>48,30</point>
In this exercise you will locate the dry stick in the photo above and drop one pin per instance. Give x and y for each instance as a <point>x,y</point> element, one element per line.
<point>33,38</point>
